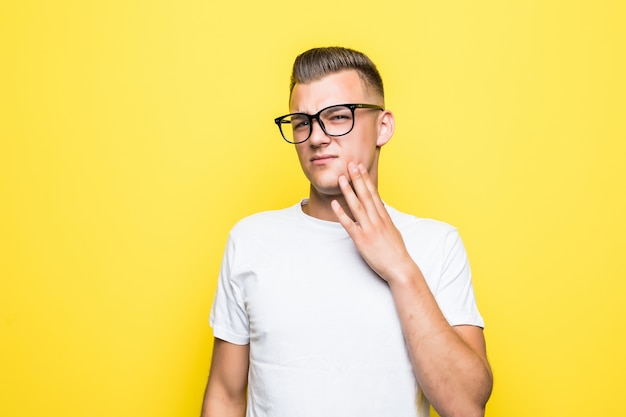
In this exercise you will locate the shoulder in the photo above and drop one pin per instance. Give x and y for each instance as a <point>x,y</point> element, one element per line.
<point>265,222</point>
<point>410,224</point>
<point>427,239</point>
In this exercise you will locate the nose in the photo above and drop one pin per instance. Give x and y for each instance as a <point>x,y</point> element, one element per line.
<point>318,136</point>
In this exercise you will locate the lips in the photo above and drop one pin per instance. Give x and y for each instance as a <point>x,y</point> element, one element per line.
<point>319,159</point>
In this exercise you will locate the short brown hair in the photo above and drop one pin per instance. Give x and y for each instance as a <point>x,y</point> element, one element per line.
<point>319,62</point>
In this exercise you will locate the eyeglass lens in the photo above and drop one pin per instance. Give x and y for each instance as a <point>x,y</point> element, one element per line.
<point>335,121</point>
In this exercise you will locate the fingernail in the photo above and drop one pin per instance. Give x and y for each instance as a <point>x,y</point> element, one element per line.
<point>362,168</point>
<point>352,167</point>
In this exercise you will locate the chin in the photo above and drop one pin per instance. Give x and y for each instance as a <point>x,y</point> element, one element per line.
<point>326,177</point>
<point>325,189</point>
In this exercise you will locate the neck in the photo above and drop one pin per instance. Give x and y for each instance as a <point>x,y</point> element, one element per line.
<point>318,206</point>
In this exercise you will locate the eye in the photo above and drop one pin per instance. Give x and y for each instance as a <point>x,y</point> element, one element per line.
<point>337,115</point>
<point>299,122</point>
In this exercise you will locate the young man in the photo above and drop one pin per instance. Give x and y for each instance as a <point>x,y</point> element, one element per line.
<point>341,305</point>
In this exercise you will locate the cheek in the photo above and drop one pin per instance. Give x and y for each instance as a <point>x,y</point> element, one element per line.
<point>298,150</point>
<point>302,158</point>
<point>361,150</point>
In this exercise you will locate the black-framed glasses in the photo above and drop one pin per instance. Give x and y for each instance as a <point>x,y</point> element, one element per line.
<point>336,120</point>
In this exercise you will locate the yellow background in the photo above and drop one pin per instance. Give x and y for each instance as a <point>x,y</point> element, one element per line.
<point>134,134</point>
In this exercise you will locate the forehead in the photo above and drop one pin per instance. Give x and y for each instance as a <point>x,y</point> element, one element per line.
<point>337,88</point>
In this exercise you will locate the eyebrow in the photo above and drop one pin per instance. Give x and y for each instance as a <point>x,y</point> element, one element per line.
<point>323,108</point>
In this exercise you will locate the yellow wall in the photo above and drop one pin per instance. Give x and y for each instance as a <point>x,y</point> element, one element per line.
<point>133,135</point>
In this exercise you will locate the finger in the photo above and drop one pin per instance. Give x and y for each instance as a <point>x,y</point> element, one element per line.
<point>352,200</point>
<point>361,188</point>
<point>368,195</point>
<point>355,198</point>
<point>344,219</point>
<point>377,201</point>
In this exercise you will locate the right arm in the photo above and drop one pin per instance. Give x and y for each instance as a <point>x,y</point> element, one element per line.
<point>225,394</point>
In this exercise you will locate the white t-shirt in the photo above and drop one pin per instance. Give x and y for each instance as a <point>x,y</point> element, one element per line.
<point>325,339</point>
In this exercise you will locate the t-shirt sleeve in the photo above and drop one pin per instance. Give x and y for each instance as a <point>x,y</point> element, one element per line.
<point>228,315</point>
<point>455,292</point>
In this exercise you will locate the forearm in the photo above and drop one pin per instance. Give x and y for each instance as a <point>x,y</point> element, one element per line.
<point>455,376</point>
<point>451,369</point>
<point>223,407</point>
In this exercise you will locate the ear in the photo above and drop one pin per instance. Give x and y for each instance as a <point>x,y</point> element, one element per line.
<point>386,127</point>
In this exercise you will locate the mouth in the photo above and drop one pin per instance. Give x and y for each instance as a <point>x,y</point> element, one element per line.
<point>321,159</point>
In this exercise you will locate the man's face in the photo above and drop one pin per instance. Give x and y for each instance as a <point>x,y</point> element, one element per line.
<point>322,158</point>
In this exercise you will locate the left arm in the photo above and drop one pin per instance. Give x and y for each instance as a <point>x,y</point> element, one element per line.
<point>450,363</point>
